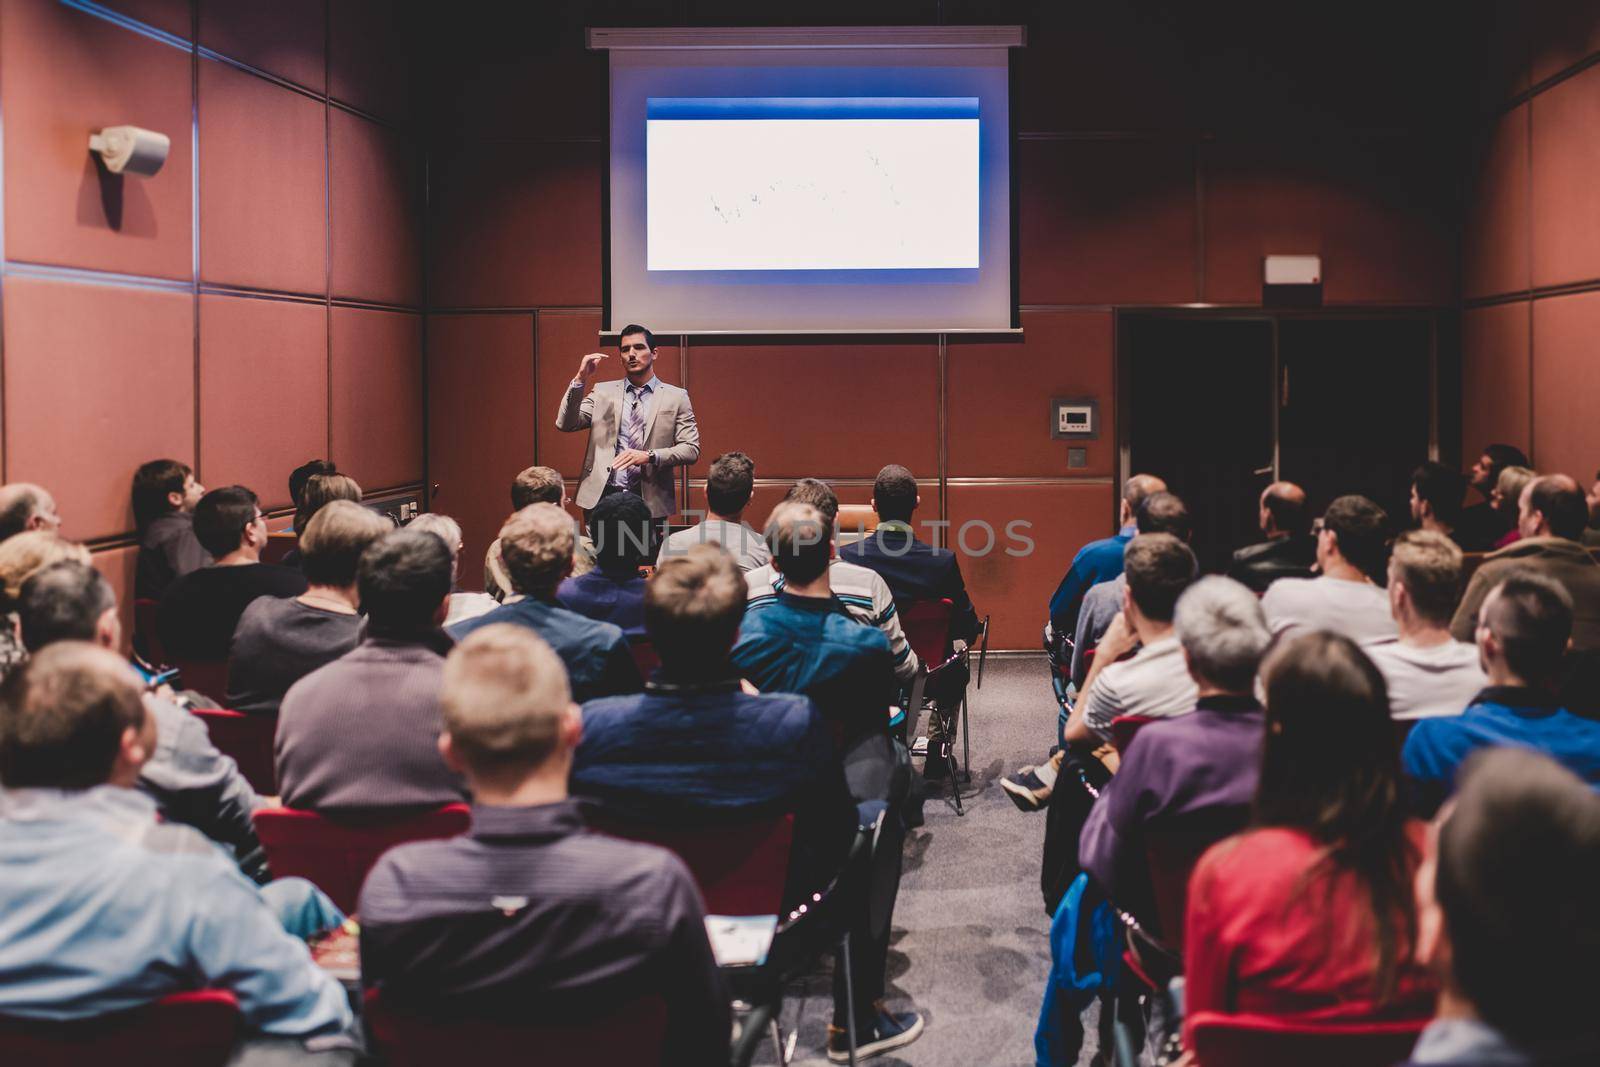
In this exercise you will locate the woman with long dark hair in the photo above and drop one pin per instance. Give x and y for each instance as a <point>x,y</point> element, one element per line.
<point>1310,912</point>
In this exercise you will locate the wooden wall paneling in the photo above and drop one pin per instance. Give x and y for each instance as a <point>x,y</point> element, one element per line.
<point>1495,233</point>
<point>118,565</point>
<point>285,37</point>
<point>376,212</point>
<point>1566,380</point>
<point>1566,197</point>
<point>376,396</point>
<point>98,379</point>
<point>1495,376</point>
<point>1561,34</point>
<point>169,16</point>
<point>369,56</point>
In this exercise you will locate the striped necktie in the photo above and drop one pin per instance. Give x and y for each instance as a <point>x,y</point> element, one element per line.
<point>632,435</point>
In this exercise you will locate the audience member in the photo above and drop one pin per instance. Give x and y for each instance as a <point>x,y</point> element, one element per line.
<point>1194,769</point>
<point>913,569</point>
<point>1551,514</point>
<point>1289,550</point>
<point>1344,598</point>
<point>1436,493</point>
<point>729,484</point>
<point>462,605</point>
<point>21,557</point>
<point>1426,671</point>
<point>1100,561</point>
<point>799,639</point>
<point>164,496</point>
<point>1494,929</point>
<point>1157,513</point>
<point>1506,498</point>
<point>533,485</point>
<point>536,545</point>
<point>614,590</point>
<point>106,907</point>
<point>1154,684</point>
<point>1310,913</point>
<point>358,734</point>
<point>190,781</point>
<point>303,474</point>
<point>861,591</point>
<point>1591,533</point>
<point>1482,524</point>
<point>24,507</point>
<point>199,612</point>
<point>279,641</point>
<point>463,927</point>
<point>1523,627</point>
<point>695,746</point>
<point>320,491</point>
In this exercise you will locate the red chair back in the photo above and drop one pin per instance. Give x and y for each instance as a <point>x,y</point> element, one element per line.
<point>927,626</point>
<point>278,545</point>
<point>1171,854</point>
<point>1123,727</point>
<point>204,676</point>
<point>740,868</point>
<point>144,625</point>
<point>644,657</point>
<point>183,1030</point>
<point>336,856</point>
<point>1264,1041</point>
<point>248,739</point>
<point>633,1034</point>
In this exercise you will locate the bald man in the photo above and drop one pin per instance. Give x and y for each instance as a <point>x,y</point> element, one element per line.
<point>1551,515</point>
<point>1289,549</point>
<point>25,506</point>
<point>1100,561</point>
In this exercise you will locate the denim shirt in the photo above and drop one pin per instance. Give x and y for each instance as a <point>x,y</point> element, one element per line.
<point>104,908</point>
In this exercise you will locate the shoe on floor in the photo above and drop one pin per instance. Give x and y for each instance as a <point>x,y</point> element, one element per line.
<point>1026,790</point>
<point>889,1030</point>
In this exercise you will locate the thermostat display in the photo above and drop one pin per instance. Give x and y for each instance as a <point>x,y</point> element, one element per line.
<point>1074,418</point>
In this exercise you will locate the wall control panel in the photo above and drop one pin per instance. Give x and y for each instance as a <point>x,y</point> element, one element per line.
<point>1076,419</point>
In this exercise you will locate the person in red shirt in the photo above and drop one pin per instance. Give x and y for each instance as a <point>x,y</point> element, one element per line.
<point>1310,913</point>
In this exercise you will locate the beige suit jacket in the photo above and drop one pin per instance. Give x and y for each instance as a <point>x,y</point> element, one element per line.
<point>669,429</point>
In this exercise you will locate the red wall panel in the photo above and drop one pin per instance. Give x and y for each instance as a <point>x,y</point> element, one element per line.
<point>1104,222</point>
<point>376,241</point>
<point>1494,378</point>
<point>803,409</point>
<point>375,396</point>
<point>1016,589</point>
<point>769,495</point>
<point>1566,196</point>
<point>284,37</point>
<point>67,73</point>
<point>480,428</point>
<point>263,184</point>
<point>1566,380</point>
<point>263,392</point>
<point>564,338</point>
<point>1000,392</point>
<point>172,16</point>
<point>1495,237</point>
<point>97,381</point>
<point>369,56</point>
<point>1369,208</point>
<point>516,225</point>
<point>1562,33</point>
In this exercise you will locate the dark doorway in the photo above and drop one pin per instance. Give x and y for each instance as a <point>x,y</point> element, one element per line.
<point>1198,405</point>
<point>1220,405</point>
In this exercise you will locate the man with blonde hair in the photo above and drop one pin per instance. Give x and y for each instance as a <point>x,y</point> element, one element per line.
<point>532,485</point>
<point>1428,672</point>
<point>630,914</point>
<point>536,545</point>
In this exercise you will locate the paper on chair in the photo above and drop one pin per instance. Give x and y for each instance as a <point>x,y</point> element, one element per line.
<point>740,940</point>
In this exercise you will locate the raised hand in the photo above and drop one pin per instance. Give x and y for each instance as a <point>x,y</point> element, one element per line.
<point>589,364</point>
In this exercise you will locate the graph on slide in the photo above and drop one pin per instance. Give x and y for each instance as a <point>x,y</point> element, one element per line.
<point>812,184</point>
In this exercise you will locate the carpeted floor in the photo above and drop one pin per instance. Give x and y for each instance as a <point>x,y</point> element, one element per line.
<point>970,948</point>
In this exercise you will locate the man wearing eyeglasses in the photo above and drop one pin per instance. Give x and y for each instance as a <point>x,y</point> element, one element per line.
<point>640,428</point>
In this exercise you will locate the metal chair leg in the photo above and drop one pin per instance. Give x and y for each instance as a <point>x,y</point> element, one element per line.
<point>966,742</point>
<point>849,996</point>
<point>777,1042</point>
<point>953,771</point>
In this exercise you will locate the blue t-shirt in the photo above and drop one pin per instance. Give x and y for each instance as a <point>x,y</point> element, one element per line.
<point>1096,562</point>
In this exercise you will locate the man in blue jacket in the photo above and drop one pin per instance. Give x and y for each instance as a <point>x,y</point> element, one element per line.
<point>1100,561</point>
<point>1523,629</point>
